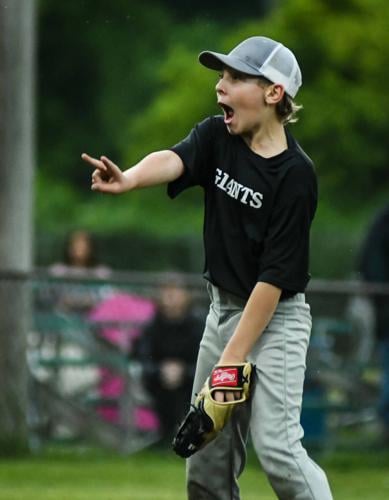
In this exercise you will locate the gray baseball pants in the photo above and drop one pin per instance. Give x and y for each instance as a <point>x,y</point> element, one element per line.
<point>273,413</point>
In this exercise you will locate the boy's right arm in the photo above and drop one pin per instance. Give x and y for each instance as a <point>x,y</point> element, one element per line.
<point>160,167</point>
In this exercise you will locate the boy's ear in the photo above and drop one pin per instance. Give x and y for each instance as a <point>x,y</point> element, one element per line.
<point>274,93</point>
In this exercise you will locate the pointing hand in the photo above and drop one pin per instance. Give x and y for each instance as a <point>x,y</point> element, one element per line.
<point>107,177</point>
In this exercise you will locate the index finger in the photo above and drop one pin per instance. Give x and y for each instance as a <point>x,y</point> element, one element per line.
<point>93,161</point>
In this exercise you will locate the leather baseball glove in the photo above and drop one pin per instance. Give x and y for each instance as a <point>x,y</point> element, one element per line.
<point>207,417</point>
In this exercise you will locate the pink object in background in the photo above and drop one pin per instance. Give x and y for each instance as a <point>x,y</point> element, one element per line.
<point>130,310</point>
<point>124,315</point>
<point>146,419</point>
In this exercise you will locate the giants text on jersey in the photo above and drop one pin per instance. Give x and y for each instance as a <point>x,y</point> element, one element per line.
<point>242,193</point>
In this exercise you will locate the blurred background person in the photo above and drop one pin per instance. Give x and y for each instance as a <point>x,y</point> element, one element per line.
<point>374,267</point>
<point>64,306</point>
<point>80,260</point>
<point>168,351</point>
<point>80,257</point>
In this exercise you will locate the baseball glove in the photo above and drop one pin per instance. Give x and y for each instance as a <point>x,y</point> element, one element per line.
<point>207,417</point>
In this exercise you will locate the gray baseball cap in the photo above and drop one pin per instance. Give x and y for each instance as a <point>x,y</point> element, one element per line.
<point>259,56</point>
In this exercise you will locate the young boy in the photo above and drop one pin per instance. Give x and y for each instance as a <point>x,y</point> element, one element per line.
<point>260,198</point>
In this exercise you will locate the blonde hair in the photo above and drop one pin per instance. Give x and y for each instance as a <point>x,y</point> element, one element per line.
<point>287,108</point>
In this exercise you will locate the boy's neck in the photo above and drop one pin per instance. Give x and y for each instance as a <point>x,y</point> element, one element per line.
<point>268,140</point>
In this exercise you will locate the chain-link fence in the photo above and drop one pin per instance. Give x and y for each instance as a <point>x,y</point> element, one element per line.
<point>85,384</point>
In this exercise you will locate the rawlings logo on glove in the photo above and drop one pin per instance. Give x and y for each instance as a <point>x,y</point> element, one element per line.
<point>224,376</point>
<point>207,417</point>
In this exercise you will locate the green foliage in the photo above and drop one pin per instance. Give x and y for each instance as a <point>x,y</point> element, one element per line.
<point>344,124</point>
<point>97,62</point>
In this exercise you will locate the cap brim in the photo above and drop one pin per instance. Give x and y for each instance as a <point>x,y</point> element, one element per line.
<point>216,61</point>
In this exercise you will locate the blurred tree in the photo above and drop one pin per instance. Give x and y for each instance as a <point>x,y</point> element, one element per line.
<point>344,124</point>
<point>226,11</point>
<point>97,62</point>
<point>17,23</point>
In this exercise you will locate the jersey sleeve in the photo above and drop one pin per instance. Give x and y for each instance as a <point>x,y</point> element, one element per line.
<point>195,152</point>
<point>285,259</point>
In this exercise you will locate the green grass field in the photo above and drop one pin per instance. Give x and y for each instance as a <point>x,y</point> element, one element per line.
<point>159,475</point>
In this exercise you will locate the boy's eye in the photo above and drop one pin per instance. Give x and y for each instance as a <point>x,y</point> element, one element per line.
<point>237,75</point>
<point>233,75</point>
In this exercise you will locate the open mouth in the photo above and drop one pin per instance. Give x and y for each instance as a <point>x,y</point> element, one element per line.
<point>228,112</point>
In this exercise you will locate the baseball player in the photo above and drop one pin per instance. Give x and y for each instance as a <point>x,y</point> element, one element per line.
<point>260,198</point>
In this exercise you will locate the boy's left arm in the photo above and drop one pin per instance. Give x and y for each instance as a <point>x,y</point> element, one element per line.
<point>256,315</point>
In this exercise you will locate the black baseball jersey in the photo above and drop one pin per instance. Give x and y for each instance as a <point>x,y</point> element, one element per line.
<point>258,211</point>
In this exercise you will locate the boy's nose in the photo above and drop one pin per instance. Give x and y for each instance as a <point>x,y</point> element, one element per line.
<point>220,87</point>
